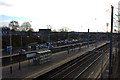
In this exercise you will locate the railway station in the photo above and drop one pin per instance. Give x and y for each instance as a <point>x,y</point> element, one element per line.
<point>56,58</point>
<point>64,40</point>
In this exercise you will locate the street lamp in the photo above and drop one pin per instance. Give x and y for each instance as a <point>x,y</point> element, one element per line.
<point>79,42</point>
<point>19,59</point>
<point>88,38</point>
<point>111,43</point>
<point>11,50</point>
<point>20,52</point>
<point>49,44</point>
<point>68,42</point>
<point>21,39</point>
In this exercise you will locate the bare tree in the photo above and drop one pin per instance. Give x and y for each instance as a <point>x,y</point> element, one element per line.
<point>26,26</point>
<point>31,30</point>
<point>54,30</point>
<point>49,27</point>
<point>14,25</point>
<point>64,29</point>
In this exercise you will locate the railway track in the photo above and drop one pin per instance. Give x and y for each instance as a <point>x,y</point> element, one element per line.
<point>90,67</point>
<point>74,68</point>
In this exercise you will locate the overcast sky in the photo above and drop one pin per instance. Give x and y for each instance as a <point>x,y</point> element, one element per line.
<point>77,15</point>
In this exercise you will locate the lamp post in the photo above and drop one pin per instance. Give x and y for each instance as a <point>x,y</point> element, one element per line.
<point>88,38</point>
<point>79,40</point>
<point>20,52</point>
<point>10,51</point>
<point>21,39</point>
<point>111,42</point>
<point>68,42</point>
<point>49,41</point>
<point>19,60</point>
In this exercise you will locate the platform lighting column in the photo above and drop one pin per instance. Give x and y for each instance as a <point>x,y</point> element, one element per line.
<point>74,42</point>
<point>49,41</point>
<point>10,51</point>
<point>111,45</point>
<point>79,41</point>
<point>88,37</point>
<point>20,53</point>
<point>21,39</point>
<point>68,42</point>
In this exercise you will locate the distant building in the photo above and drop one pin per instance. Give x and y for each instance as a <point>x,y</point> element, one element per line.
<point>36,34</point>
<point>44,31</point>
<point>23,33</point>
<point>5,31</point>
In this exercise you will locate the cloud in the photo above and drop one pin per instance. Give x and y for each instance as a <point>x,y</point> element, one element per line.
<point>5,4</point>
<point>5,17</point>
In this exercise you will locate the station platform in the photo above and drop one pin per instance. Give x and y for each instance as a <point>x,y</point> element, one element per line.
<point>29,70</point>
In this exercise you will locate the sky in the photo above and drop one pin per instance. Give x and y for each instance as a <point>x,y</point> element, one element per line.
<point>77,15</point>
